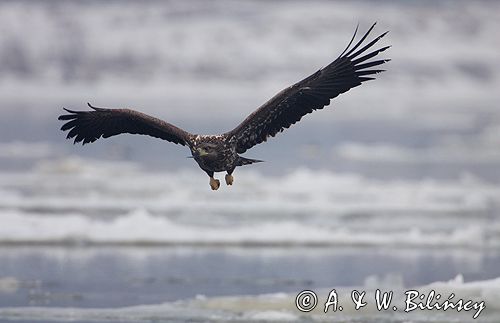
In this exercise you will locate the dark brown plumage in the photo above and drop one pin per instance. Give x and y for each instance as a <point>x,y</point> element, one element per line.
<point>88,126</point>
<point>220,153</point>
<point>312,93</point>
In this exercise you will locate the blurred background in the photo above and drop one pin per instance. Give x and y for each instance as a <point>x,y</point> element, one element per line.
<point>395,184</point>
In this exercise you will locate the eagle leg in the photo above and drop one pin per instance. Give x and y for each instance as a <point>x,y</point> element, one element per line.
<point>229,179</point>
<point>214,183</point>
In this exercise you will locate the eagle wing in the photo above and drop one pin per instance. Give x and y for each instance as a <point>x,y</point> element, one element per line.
<point>287,107</point>
<point>88,126</point>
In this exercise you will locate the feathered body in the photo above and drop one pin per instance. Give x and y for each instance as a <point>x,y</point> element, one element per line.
<point>217,153</point>
<point>220,153</point>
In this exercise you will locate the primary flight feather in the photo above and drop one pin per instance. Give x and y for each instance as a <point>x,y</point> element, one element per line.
<point>219,153</point>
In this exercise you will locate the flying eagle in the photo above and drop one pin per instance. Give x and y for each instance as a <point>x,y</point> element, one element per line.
<point>220,153</point>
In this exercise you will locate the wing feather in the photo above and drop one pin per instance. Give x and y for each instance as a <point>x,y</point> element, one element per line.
<point>88,126</point>
<point>314,92</point>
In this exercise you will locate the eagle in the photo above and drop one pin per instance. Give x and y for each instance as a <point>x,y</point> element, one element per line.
<point>220,153</point>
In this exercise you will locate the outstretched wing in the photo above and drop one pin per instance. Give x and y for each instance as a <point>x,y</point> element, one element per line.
<point>349,70</point>
<point>88,126</point>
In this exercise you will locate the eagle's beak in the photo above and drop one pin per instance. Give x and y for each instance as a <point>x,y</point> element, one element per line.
<point>201,152</point>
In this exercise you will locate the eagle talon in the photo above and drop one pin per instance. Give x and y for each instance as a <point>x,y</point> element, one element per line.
<point>214,183</point>
<point>229,179</point>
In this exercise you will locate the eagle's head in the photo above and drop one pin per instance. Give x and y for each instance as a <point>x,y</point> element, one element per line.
<point>205,150</point>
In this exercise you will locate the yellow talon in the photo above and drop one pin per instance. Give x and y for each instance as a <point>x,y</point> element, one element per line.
<point>214,183</point>
<point>229,179</point>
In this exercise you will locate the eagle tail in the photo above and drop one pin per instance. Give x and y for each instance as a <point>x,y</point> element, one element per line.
<point>246,161</point>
